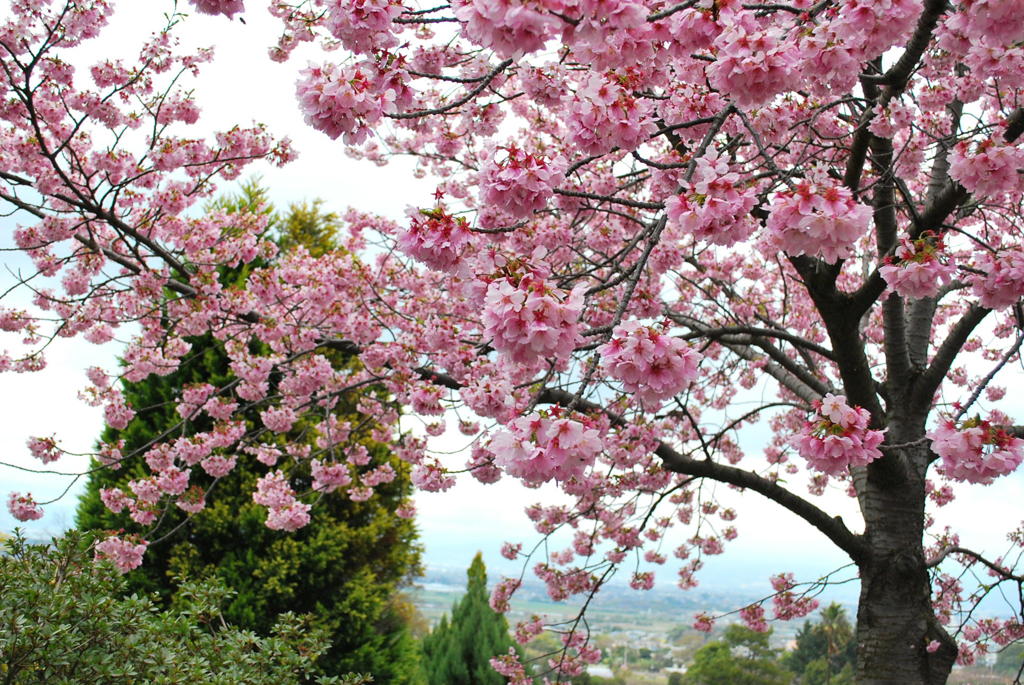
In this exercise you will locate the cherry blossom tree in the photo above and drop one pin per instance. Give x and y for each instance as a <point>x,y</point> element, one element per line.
<point>644,210</point>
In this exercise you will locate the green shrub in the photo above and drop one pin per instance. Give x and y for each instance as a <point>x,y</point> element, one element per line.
<point>64,619</point>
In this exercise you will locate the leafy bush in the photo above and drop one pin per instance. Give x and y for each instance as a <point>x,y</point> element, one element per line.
<point>64,619</point>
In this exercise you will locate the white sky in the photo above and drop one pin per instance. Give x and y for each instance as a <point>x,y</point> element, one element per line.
<point>242,86</point>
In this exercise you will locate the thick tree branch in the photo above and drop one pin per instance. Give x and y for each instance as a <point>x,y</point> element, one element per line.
<point>930,380</point>
<point>898,75</point>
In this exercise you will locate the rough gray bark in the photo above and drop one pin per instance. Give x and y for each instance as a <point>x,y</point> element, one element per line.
<point>895,619</point>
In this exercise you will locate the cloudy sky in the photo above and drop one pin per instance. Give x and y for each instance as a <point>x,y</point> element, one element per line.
<point>243,86</point>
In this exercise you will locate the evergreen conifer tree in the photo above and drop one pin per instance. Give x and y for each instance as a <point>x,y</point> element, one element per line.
<point>344,568</point>
<point>458,651</point>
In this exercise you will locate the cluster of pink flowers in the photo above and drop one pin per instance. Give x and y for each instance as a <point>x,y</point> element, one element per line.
<point>225,7</point>
<point>511,28</point>
<point>44,449</point>
<point>126,553</point>
<point>716,208</point>
<point>996,22</point>
<point>362,25</point>
<point>976,451</point>
<point>839,438</point>
<point>284,512</point>
<point>753,617</point>
<point>546,445</point>
<point>521,183</point>
<point>652,365</point>
<point>871,27</point>
<point>509,666</point>
<point>278,419</point>
<point>987,170</point>
<point>786,605</point>
<point>605,115</point>
<point>436,238</point>
<point>1003,282</point>
<point>348,100</point>
<point>192,501</point>
<point>502,593</point>
<point>530,320</point>
<point>330,477</point>
<point>919,268</point>
<point>23,507</point>
<point>703,622</point>
<point>818,219</point>
<point>754,64</point>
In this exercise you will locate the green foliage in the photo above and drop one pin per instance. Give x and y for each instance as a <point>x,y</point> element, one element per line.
<point>458,652</point>
<point>64,619</point>
<point>1010,661</point>
<point>343,568</point>
<point>742,657</point>
<point>826,651</point>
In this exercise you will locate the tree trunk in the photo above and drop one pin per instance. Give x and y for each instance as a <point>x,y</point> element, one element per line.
<point>895,619</point>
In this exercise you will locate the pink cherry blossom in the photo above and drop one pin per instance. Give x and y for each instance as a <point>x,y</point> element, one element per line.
<point>521,183</point>
<point>716,207</point>
<point>605,115</point>
<point>1001,282</point>
<point>539,447</point>
<point>976,451</point>
<point>753,65</point>
<point>989,170</point>
<point>652,365</point>
<point>511,28</point>
<point>919,268</point>
<point>703,623</point>
<point>226,7</point>
<point>44,449</point>
<point>530,321</point>
<point>753,617</point>
<point>437,239</point>
<point>23,507</point>
<point>839,438</point>
<point>126,553</point>
<point>818,220</point>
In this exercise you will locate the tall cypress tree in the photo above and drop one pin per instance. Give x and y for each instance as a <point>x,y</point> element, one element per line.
<point>344,568</point>
<point>458,652</point>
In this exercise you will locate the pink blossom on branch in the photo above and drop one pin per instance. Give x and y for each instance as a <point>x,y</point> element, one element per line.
<point>1001,281</point>
<point>919,268</point>
<point>436,238</point>
<point>716,207</point>
<point>125,553</point>
<point>544,446</point>
<point>750,230</point>
<point>226,7</point>
<point>652,365</point>
<point>818,219</point>
<point>530,320</point>
<point>976,451</point>
<point>23,507</point>
<point>839,437</point>
<point>521,183</point>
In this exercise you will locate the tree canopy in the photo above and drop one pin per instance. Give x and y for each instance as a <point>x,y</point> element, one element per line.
<point>655,224</point>
<point>741,657</point>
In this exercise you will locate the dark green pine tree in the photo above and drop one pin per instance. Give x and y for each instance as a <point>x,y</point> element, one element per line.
<point>345,568</point>
<point>458,651</point>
